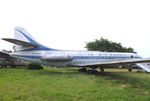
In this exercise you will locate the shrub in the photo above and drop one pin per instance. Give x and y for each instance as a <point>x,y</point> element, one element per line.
<point>35,66</point>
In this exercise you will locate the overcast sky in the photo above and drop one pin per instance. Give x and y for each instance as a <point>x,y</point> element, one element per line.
<point>69,24</point>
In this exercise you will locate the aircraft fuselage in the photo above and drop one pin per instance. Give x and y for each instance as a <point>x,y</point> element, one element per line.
<point>71,58</point>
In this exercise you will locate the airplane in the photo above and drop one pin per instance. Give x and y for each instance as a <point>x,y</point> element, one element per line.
<point>7,60</point>
<point>27,48</point>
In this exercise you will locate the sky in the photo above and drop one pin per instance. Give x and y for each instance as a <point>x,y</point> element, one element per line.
<point>69,24</point>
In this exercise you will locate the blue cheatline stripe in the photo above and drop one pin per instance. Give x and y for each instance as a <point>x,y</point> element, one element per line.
<point>76,57</point>
<point>29,56</point>
<point>89,57</point>
<point>41,47</point>
<point>100,57</point>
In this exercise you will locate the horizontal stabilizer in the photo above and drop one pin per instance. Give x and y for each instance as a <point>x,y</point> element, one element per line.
<point>145,66</point>
<point>19,42</point>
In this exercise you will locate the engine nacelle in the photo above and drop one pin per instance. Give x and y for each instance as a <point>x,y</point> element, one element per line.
<point>57,58</point>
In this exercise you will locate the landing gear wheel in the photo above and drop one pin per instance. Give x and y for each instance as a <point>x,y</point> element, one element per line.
<point>130,69</point>
<point>82,70</point>
<point>92,71</point>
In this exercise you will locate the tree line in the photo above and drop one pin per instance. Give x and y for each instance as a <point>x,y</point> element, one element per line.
<point>105,45</point>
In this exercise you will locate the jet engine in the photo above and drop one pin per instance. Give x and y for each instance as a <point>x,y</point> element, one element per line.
<point>57,58</point>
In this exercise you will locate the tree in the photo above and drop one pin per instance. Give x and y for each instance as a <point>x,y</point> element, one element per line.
<point>106,45</point>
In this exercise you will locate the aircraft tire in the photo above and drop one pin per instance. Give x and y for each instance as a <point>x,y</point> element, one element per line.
<point>90,72</point>
<point>82,70</point>
<point>130,69</point>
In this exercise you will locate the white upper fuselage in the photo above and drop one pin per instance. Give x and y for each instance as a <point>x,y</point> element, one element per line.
<point>71,58</point>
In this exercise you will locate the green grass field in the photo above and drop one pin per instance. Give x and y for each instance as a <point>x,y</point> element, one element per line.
<point>67,84</point>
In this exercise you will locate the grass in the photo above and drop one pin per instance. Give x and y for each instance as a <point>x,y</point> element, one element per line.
<point>67,84</point>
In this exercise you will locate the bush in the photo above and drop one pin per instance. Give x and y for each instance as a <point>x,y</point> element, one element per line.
<point>34,66</point>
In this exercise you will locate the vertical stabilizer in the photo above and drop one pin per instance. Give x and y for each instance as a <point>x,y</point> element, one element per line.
<point>24,41</point>
<point>23,35</point>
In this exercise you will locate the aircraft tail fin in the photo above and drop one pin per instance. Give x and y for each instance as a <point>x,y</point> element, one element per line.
<point>23,35</point>
<point>24,41</point>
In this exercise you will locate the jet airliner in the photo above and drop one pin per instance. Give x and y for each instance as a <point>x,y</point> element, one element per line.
<point>27,48</point>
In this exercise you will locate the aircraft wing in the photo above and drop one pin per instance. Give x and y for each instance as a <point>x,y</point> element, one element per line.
<point>119,62</point>
<point>130,61</point>
<point>19,42</point>
<point>145,66</point>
